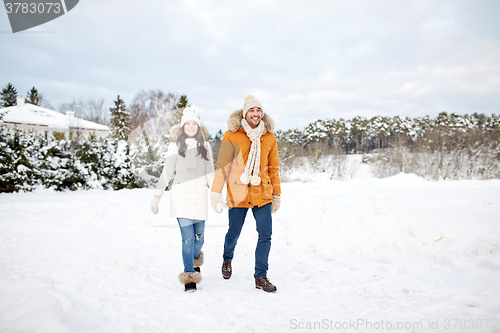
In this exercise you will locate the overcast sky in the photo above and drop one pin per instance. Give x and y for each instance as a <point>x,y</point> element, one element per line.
<point>304,60</point>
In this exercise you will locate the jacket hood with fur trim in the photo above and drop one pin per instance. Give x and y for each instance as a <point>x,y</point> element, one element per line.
<point>235,120</point>
<point>176,131</point>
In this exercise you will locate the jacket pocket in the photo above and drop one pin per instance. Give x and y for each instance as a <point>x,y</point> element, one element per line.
<point>237,191</point>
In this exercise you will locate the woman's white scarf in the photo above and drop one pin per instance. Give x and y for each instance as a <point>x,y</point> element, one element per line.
<point>252,168</point>
<point>191,151</point>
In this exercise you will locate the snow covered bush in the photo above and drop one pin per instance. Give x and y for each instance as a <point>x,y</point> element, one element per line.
<point>57,168</point>
<point>105,164</point>
<point>147,160</point>
<point>299,164</point>
<point>16,161</point>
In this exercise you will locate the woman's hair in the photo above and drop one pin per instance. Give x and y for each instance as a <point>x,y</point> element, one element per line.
<point>181,143</point>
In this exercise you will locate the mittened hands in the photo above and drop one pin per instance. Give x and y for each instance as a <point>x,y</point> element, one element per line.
<point>154,204</point>
<point>215,200</point>
<point>275,204</point>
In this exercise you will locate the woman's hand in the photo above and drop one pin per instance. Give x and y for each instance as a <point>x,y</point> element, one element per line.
<point>215,200</point>
<point>154,204</point>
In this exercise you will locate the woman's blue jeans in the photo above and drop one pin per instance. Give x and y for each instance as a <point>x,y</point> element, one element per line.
<point>192,232</point>
<point>264,224</point>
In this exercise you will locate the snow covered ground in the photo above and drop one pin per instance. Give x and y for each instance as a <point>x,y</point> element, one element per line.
<point>370,255</point>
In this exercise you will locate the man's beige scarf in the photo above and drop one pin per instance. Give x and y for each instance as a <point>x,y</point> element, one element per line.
<point>252,168</point>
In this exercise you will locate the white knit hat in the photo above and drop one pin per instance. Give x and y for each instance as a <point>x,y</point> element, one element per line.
<point>189,114</point>
<point>251,102</point>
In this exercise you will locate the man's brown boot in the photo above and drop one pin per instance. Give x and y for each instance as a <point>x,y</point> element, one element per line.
<point>264,284</point>
<point>226,270</point>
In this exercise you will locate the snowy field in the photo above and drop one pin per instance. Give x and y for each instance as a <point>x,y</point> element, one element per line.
<point>370,255</point>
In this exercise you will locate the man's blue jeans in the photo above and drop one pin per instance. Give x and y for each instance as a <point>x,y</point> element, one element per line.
<point>192,232</point>
<point>264,224</point>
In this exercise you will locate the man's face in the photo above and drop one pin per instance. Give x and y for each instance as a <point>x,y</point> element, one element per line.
<point>253,117</point>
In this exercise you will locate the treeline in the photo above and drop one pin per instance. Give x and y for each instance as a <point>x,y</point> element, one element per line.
<point>447,147</point>
<point>363,135</point>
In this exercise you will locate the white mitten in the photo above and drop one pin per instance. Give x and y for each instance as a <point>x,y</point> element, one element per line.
<point>276,203</point>
<point>215,200</point>
<point>154,204</point>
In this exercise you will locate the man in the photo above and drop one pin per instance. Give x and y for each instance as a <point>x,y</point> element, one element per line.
<point>248,161</point>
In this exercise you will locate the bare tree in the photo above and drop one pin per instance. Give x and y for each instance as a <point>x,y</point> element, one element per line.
<point>150,113</point>
<point>96,111</point>
<point>89,109</point>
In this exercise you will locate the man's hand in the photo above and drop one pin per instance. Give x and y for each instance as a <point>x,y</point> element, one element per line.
<point>276,204</point>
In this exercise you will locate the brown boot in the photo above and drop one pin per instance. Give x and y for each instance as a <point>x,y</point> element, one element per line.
<point>264,284</point>
<point>226,270</point>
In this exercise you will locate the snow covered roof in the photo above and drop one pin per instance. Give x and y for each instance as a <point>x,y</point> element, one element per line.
<point>34,115</point>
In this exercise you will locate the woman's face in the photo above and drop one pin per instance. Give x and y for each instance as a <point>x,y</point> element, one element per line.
<point>190,128</point>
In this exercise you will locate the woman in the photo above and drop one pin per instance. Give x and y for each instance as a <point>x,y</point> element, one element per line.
<point>190,156</point>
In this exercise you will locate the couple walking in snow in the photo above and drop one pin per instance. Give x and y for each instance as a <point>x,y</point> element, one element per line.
<point>247,163</point>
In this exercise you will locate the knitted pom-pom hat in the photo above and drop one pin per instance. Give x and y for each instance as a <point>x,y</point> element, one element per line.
<point>251,102</point>
<point>189,114</point>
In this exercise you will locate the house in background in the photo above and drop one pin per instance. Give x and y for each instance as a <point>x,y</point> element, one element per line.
<point>29,117</point>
